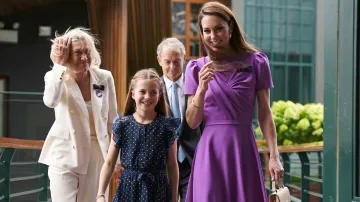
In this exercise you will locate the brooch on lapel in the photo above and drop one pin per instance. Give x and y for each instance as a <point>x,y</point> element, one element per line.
<point>98,90</point>
<point>244,69</point>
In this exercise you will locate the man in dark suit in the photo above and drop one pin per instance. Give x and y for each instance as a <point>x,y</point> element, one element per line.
<point>171,57</point>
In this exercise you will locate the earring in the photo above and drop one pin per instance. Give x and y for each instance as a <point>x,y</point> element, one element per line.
<point>230,35</point>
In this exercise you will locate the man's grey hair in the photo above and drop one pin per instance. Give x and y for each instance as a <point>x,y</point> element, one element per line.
<point>81,33</point>
<point>171,44</point>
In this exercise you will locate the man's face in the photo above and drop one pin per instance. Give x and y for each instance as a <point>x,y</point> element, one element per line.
<point>172,63</point>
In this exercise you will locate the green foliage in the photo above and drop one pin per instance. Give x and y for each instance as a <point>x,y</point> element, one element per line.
<point>296,123</point>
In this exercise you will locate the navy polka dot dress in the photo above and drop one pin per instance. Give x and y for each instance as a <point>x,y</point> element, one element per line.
<point>143,156</point>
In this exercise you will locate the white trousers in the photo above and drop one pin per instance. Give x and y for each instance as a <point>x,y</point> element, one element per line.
<point>66,186</point>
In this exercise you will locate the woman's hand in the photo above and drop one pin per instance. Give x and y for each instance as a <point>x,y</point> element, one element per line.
<point>101,199</point>
<point>60,51</point>
<point>276,169</point>
<point>206,74</point>
<point>118,172</point>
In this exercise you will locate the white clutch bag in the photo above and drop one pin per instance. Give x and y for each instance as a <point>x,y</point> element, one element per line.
<point>279,193</point>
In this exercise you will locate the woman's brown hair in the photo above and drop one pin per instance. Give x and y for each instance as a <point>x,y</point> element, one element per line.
<point>130,106</point>
<point>237,40</point>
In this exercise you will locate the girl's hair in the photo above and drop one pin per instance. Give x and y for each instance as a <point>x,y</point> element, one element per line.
<point>237,40</point>
<point>130,106</point>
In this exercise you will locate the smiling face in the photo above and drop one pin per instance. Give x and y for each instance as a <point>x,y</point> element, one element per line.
<point>146,94</point>
<point>172,63</point>
<point>216,32</point>
<point>80,57</point>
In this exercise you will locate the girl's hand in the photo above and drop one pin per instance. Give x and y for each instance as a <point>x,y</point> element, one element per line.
<point>206,74</point>
<point>60,51</point>
<point>276,169</point>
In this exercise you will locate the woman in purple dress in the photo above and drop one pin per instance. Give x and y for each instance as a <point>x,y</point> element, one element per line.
<point>222,90</point>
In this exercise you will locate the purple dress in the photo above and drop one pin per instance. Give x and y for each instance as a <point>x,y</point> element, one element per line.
<point>226,165</point>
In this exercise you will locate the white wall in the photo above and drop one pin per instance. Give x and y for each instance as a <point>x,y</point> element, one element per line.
<point>319,52</point>
<point>238,7</point>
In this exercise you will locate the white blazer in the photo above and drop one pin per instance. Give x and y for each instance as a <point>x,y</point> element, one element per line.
<point>67,144</point>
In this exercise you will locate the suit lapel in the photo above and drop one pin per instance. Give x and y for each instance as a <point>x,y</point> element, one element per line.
<point>166,97</point>
<point>97,95</point>
<point>76,94</point>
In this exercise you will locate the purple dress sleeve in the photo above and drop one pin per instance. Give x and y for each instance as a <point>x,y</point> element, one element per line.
<point>263,73</point>
<point>191,77</point>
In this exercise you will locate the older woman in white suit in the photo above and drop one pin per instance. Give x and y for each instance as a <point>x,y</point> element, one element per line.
<point>84,100</point>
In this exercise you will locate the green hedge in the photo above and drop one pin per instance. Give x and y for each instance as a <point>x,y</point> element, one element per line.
<point>296,123</point>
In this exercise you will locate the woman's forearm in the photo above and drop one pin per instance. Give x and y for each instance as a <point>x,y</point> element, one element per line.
<point>195,109</point>
<point>269,131</point>
<point>54,85</point>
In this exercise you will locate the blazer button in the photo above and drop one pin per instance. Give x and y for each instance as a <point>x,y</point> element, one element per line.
<point>105,118</point>
<point>73,131</point>
<point>72,111</point>
<point>73,147</point>
<point>105,136</point>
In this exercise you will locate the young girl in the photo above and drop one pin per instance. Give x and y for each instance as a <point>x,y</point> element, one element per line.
<point>146,139</point>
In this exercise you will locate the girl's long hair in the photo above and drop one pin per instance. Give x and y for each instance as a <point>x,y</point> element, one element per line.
<point>130,105</point>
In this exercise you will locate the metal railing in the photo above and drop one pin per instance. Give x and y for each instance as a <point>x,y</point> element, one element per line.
<point>9,146</point>
<point>303,171</point>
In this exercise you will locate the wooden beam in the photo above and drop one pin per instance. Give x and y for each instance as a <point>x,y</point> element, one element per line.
<point>20,143</point>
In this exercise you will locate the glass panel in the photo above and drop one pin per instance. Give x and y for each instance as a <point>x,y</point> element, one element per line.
<point>293,48</point>
<point>266,44</point>
<point>178,18</point>
<point>195,8</point>
<point>194,48</point>
<point>307,58</point>
<point>306,88</point>
<point>280,57</point>
<point>293,83</point>
<point>3,114</point>
<point>293,16</point>
<point>293,57</point>
<point>285,28</point>
<point>294,2</point>
<point>266,30</point>
<point>265,14</point>
<point>307,48</point>
<point>307,33</point>
<point>278,46</point>
<point>307,17</point>
<point>278,92</point>
<point>308,3</point>
<point>183,41</point>
<point>280,2</point>
<point>293,32</point>
<point>278,15</point>
<point>279,31</point>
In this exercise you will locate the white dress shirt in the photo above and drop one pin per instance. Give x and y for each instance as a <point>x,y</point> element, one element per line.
<point>180,92</point>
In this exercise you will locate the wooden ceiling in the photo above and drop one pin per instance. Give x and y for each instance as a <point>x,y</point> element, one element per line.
<point>8,7</point>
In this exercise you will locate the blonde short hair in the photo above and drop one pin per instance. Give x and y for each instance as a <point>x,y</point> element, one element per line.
<point>171,44</point>
<point>81,33</point>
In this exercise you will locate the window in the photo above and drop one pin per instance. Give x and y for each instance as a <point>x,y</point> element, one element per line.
<point>285,31</point>
<point>184,25</point>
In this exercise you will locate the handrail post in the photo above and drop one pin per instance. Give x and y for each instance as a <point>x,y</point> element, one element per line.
<point>305,172</point>
<point>5,170</point>
<point>286,164</point>
<point>43,195</point>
